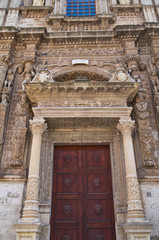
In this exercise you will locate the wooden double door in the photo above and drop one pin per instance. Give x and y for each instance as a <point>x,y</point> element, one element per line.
<point>82,204</point>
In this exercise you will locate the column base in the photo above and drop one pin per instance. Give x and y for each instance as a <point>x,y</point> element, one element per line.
<point>138,230</point>
<point>27,231</point>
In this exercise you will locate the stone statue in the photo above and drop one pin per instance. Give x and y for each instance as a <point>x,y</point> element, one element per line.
<point>28,73</point>
<point>3,71</point>
<point>38,2</point>
<point>9,79</point>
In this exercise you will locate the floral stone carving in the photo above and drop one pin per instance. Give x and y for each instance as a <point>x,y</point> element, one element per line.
<point>121,76</point>
<point>43,76</point>
<point>145,131</point>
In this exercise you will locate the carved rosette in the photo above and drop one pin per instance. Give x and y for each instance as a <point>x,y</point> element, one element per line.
<point>125,126</point>
<point>38,126</point>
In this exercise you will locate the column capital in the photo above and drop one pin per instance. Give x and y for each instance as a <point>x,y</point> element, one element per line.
<point>125,126</point>
<point>38,126</point>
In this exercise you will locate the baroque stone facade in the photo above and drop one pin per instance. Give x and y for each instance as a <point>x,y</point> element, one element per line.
<point>78,81</point>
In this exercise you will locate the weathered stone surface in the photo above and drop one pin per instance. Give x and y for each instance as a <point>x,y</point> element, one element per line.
<point>10,206</point>
<point>81,75</point>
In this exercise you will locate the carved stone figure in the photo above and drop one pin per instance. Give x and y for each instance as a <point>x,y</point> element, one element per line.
<point>3,71</point>
<point>28,72</point>
<point>19,132</point>
<point>9,79</point>
<point>4,64</point>
<point>38,2</point>
<point>144,128</point>
<point>121,76</point>
<point>3,109</point>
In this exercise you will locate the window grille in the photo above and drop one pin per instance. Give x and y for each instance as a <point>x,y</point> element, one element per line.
<point>80,8</point>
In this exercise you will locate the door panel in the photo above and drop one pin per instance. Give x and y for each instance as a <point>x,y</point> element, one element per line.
<point>82,207</point>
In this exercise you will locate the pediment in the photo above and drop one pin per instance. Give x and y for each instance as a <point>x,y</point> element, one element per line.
<point>82,89</point>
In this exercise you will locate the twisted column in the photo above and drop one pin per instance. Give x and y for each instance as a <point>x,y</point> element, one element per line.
<point>134,205</point>
<point>30,211</point>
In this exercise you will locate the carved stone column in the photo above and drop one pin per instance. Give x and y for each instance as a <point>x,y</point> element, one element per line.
<point>136,227</point>
<point>134,209</point>
<point>30,211</point>
<point>29,226</point>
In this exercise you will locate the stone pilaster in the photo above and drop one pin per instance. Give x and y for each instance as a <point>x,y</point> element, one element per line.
<point>136,227</point>
<point>30,211</point>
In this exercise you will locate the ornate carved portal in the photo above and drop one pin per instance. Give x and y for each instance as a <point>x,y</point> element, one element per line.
<point>84,101</point>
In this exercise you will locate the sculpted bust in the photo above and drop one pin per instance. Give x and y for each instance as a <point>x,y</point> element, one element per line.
<point>38,2</point>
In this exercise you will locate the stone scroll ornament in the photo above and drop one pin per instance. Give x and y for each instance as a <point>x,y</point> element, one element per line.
<point>19,131</point>
<point>145,131</point>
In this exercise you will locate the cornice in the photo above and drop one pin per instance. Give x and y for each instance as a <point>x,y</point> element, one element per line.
<point>37,91</point>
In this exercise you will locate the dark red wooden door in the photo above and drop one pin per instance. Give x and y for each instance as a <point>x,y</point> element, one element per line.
<point>82,205</point>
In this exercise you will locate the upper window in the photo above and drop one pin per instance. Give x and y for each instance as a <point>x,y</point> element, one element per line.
<point>80,8</point>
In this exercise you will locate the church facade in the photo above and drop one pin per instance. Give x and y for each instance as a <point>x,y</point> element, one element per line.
<point>79,120</point>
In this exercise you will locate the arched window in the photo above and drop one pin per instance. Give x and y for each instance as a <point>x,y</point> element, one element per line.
<point>80,8</point>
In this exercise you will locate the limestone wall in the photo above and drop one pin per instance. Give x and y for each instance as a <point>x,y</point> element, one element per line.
<point>11,198</point>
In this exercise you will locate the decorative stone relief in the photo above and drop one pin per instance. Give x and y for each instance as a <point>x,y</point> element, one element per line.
<point>133,195</point>
<point>155,85</point>
<point>4,65</point>
<point>82,103</point>
<point>133,67</point>
<point>121,76</point>
<point>3,110</point>
<point>28,72</point>
<point>145,131</point>
<point>80,75</point>
<point>32,192</point>
<point>19,131</point>
<point>43,76</point>
<point>84,51</point>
